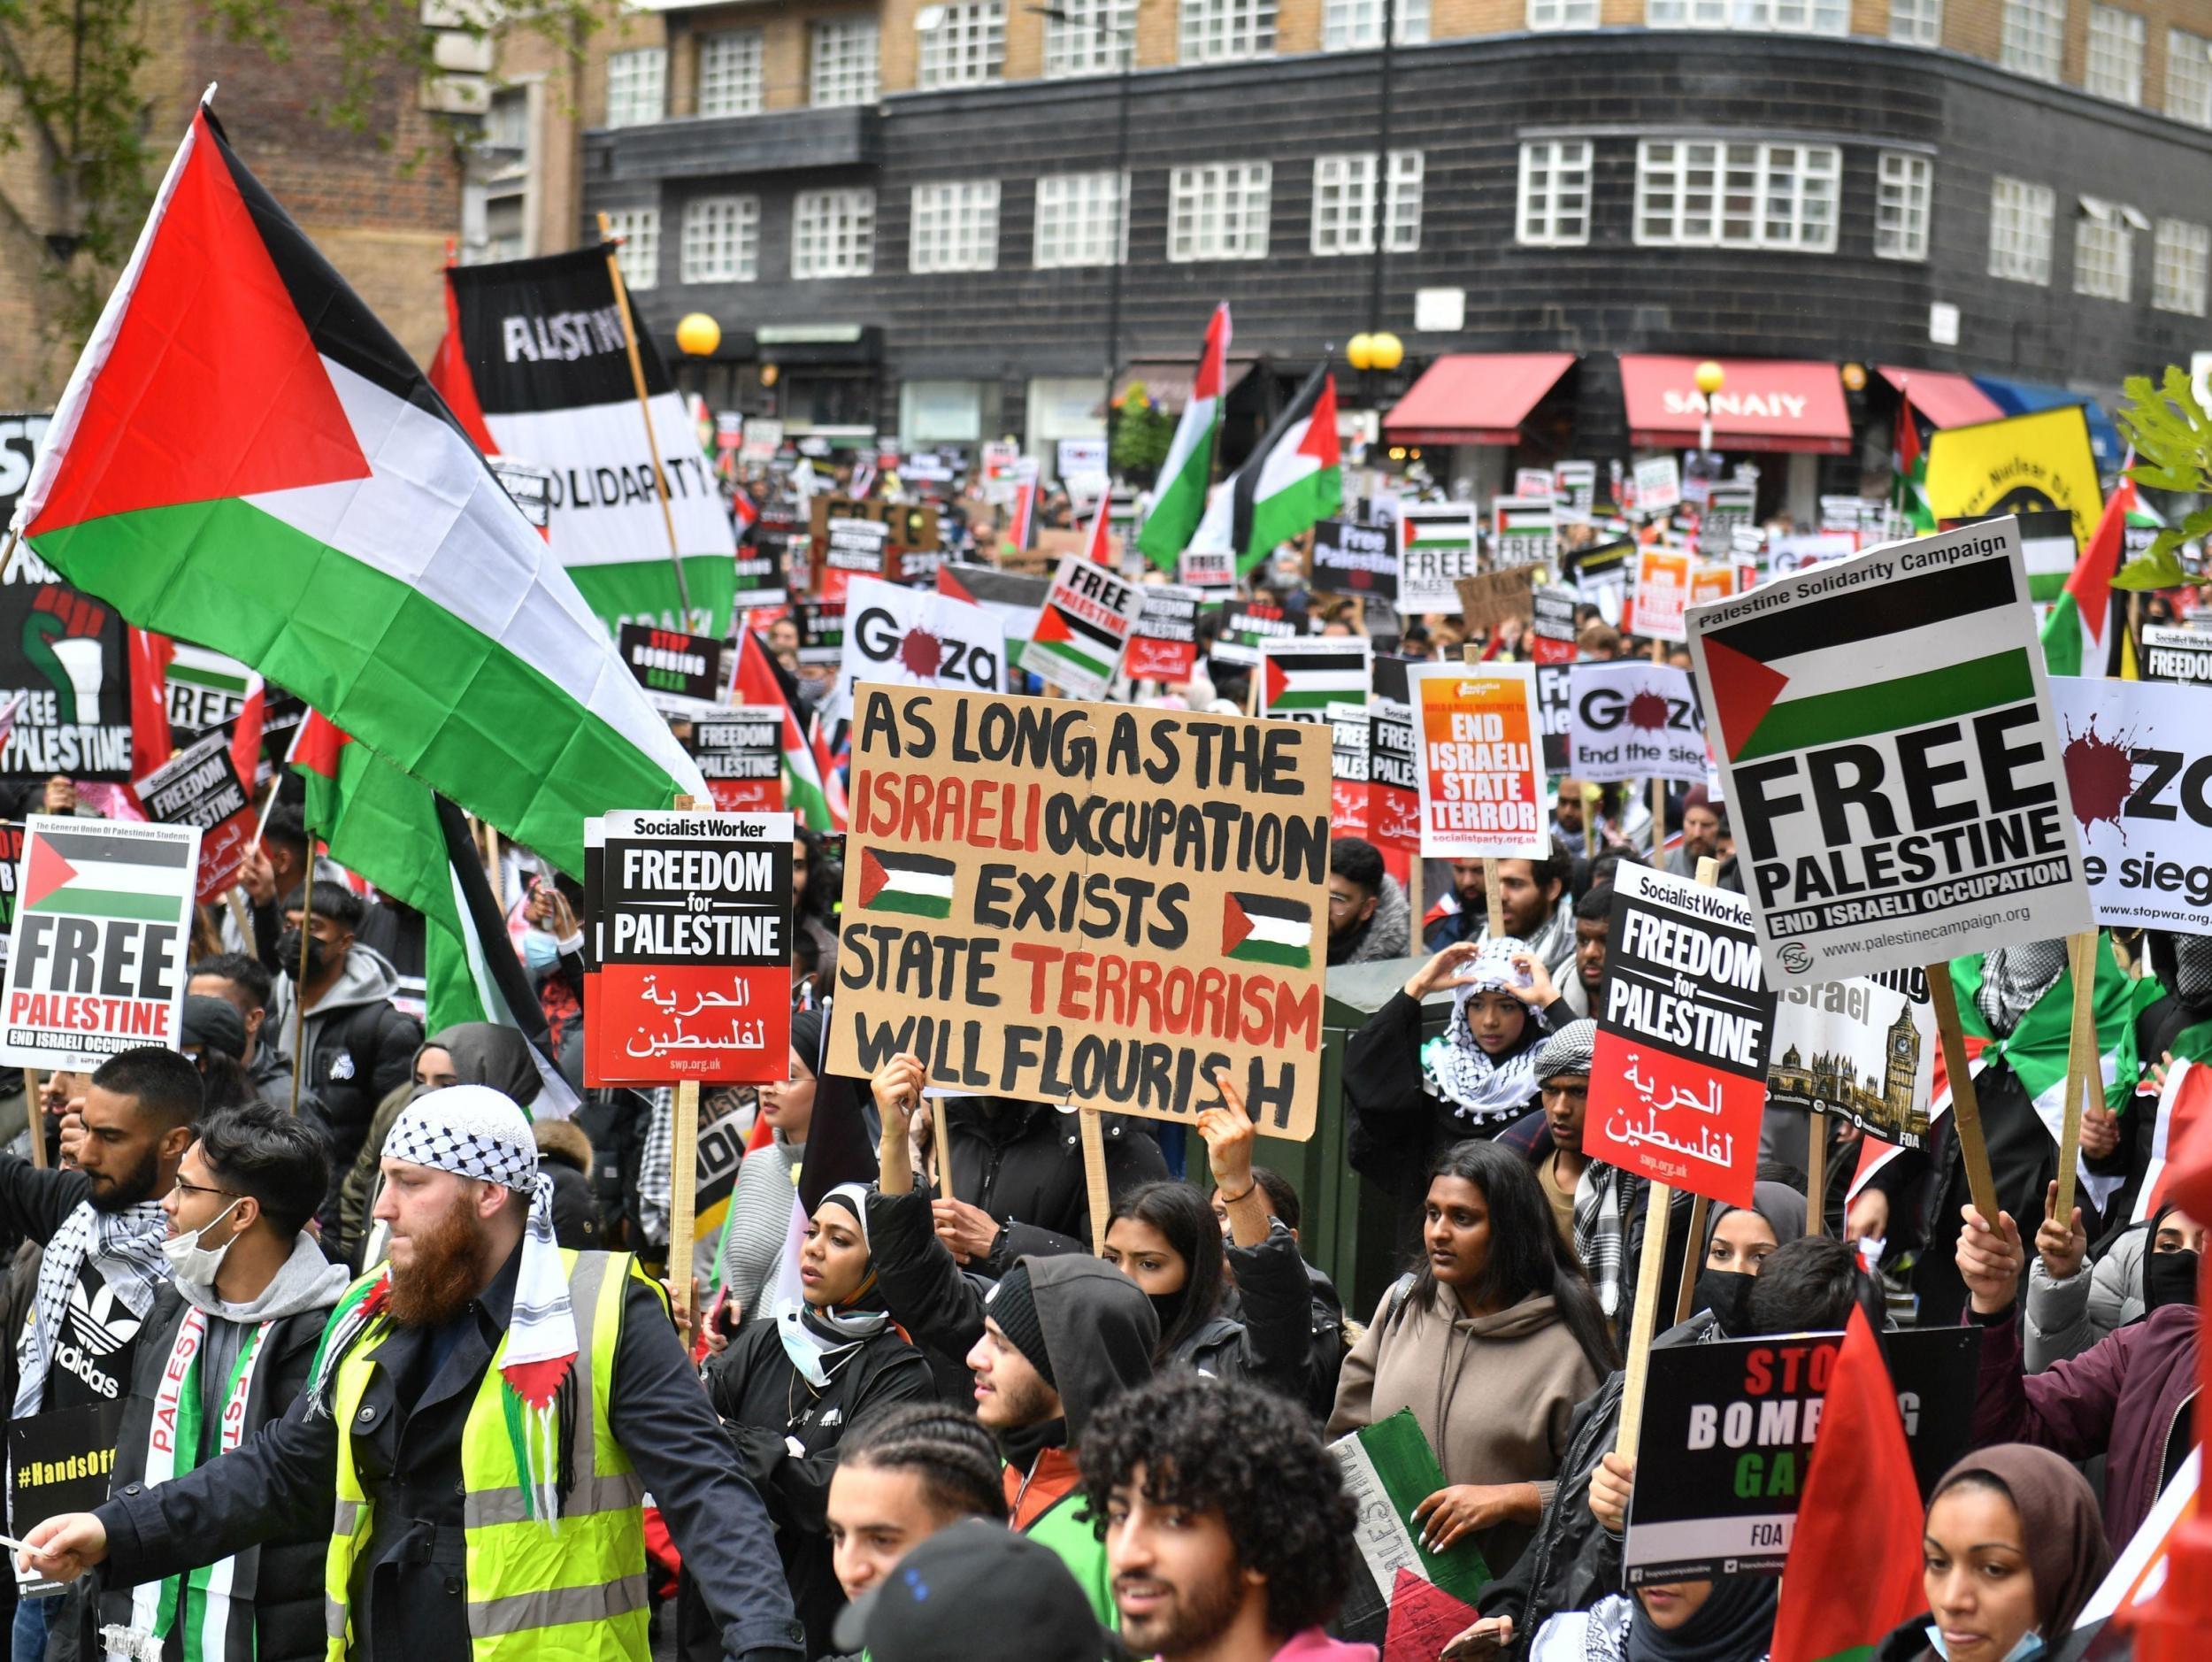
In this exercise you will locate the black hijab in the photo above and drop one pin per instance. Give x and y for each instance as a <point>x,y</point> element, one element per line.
<point>1734,1624</point>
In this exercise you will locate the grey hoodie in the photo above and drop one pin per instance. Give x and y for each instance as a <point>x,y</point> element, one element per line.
<point>306,1281</point>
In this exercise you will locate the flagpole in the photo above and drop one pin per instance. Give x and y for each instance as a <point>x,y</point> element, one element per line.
<point>645,409</point>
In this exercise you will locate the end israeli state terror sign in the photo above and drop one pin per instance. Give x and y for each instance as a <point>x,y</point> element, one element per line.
<point>1480,775</point>
<point>1895,781</point>
<point>97,957</point>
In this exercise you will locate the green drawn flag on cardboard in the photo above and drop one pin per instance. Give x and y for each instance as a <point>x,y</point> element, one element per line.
<point>1388,1470</point>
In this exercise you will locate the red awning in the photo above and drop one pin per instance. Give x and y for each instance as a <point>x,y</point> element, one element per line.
<point>1764,403</point>
<point>1474,398</point>
<point>1947,400</point>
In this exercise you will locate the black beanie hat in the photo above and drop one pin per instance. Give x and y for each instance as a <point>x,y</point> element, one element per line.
<point>1013,1306</point>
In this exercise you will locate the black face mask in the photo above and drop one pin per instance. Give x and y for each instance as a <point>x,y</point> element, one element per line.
<point>289,954</point>
<point>2169,1278</point>
<point>1168,1307</point>
<point>1727,1294</point>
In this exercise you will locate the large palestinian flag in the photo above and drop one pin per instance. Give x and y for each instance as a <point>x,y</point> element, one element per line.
<point>536,367</point>
<point>247,459</point>
<point>1293,480</point>
<point>1189,467</point>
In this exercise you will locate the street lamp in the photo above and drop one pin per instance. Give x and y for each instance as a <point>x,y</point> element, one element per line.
<point>698,336</point>
<point>1709,376</point>
<point>1126,48</point>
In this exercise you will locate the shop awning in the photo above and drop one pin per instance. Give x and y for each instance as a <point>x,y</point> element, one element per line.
<point>1946,399</point>
<point>1474,398</point>
<point>1764,403</point>
<point>2024,397</point>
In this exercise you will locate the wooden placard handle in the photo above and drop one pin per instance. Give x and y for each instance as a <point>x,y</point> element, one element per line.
<point>1966,1112</point>
<point>2082,1065</point>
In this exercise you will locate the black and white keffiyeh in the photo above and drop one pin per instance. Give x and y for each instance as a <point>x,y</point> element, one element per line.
<point>1457,1071</point>
<point>1605,1197</point>
<point>2013,977</point>
<point>124,1248</point>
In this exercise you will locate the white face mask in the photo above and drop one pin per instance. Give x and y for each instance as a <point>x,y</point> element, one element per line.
<point>189,1261</point>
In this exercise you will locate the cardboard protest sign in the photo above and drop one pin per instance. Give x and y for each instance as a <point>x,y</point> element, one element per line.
<point>1489,598</point>
<point>1479,738</point>
<point>2041,462</point>
<point>1080,633</point>
<point>2179,655</point>
<point>1574,491</point>
<point>689,918</point>
<point>1350,741</point>
<point>1864,1048</point>
<point>1555,684</point>
<point>1658,486</point>
<point>918,637</point>
<point>199,786</point>
<point>1632,719</point>
<point>1601,576</point>
<point>1712,582</point>
<point>1247,623</point>
<point>1728,508</point>
<point>821,631</point>
<point>1436,548</point>
<point>60,1461</point>
<point>1524,529</point>
<point>1728,1432</point>
<point>851,547</point>
<point>1056,902</point>
<point>67,652</point>
<point>1299,679</point>
<point>1552,625</point>
<point>1394,788</point>
<point>1163,644</point>
<point>1355,560</point>
<point>97,957</point>
<point>2139,758</point>
<point>1895,779</point>
<point>1663,588</point>
<point>663,661</point>
<point>11,869</point>
<point>1385,1467</point>
<point>760,576</point>
<point>739,750</point>
<point>1679,1080</point>
<point>203,689</point>
<point>1208,567</point>
<point>1532,481</point>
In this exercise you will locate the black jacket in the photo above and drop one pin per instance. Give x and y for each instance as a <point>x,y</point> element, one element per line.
<point>358,1053</point>
<point>1023,1163</point>
<point>407,1601</point>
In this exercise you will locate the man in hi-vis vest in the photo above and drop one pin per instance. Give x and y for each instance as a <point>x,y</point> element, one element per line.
<point>482,1422</point>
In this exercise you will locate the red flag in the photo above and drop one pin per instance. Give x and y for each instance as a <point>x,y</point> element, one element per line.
<point>1908,436</point>
<point>1100,551</point>
<point>152,655</point>
<point>1854,1568</point>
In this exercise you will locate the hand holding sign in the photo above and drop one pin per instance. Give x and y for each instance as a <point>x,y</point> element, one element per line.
<point>64,1548</point>
<point>1989,1260</point>
<point>2061,1246</point>
<point>1451,1513</point>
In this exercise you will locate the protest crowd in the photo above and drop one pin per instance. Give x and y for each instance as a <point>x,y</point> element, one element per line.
<point>831,1129</point>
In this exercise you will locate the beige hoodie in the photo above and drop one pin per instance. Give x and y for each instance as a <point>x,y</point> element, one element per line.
<point>1492,1393</point>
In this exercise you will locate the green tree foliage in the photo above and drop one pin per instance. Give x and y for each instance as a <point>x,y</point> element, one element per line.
<point>1141,434</point>
<point>2172,437</point>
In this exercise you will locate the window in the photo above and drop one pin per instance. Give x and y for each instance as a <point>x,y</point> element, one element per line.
<point>507,128</point>
<point>2115,66</point>
<point>2032,39</point>
<point>1917,22</point>
<point>1900,206</point>
<point>729,72</point>
<point>1344,203</point>
<point>1216,31</point>
<point>1562,14</point>
<point>1788,16</point>
<point>833,234</point>
<point>955,227</point>
<point>1090,37</point>
<point>721,240</point>
<point>2177,274</point>
<point>639,255</point>
<point>1080,222</point>
<point>963,45</point>
<point>1218,212</point>
<point>637,85</point>
<point>2104,256</point>
<point>1701,194</point>
<point>843,66</point>
<point>1350,25</point>
<point>2020,218</point>
<point>2189,78</point>
<point>1555,201</point>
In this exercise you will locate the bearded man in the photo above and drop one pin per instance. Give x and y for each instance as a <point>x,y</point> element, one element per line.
<point>482,1420</point>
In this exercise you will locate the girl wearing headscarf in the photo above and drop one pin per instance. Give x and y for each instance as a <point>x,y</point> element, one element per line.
<point>1728,1620</point>
<point>1737,1242</point>
<point>2013,1549</point>
<point>788,1386</point>
<point>758,1224</point>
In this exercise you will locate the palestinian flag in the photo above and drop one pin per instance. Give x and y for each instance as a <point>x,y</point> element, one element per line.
<point>1294,479</point>
<point>108,874</point>
<point>2101,1632</point>
<point>1909,491</point>
<point>2077,635</point>
<point>1015,598</point>
<point>1265,930</point>
<point>1189,467</point>
<point>1840,668</point>
<point>1302,678</point>
<point>246,459</point>
<point>2185,1099</point>
<point>917,884</point>
<point>759,679</point>
<point>2048,550</point>
<point>1099,548</point>
<point>416,847</point>
<point>1064,640</point>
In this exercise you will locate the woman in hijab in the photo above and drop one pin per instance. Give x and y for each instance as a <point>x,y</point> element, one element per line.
<point>758,1221</point>
<point>788,1388</point>
<point>1730,1620</point>
<point>2013,1549</point>
<point>1737,1242</point>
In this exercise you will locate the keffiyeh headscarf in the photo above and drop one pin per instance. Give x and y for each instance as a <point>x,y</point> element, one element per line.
<point>2192,970</point>
<point>817,1339</point>
<point>2013,977</point>
<point>1476,1085</point>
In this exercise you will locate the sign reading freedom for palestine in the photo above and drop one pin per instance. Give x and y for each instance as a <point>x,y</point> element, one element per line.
<point>1897,787</point>
<point>1065,902</point>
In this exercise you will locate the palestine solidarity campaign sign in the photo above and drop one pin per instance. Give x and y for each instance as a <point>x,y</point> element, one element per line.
<point>1895,782</point>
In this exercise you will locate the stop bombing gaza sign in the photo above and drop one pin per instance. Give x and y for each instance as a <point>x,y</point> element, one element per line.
<point>1896,783</point>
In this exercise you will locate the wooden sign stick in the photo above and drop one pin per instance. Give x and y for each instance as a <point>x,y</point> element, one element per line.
<point>943,1139</point>
<point>34,1116</point>
<point>1817,1173</point>
<point>1494,900</point>
<point>1966,1113</point>
<point>683,1190</point>
<point>2082,1065</point>
<point>1094,1188</point>
<point>1692,1258</point>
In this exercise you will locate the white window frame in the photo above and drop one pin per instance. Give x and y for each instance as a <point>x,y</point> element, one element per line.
<point>731,82</point>
<point>2031,38</point>
<point>953,226</point>
<point>1355,25</point>
<point>637,86</point>
<point>2104,256</point>
<point>1742,184</point>
<point>1096,38</point>
<point>833,234</point>
<point>1219,210</point>
<point>2189,77</point>
<point>639,255</point>
<point>1081,220</point>
<point>1762,17</point>
<point>1917,22</point>
<point>964,45</point>
<point>2112,66</point>
<point>1552,201</point>
<point>1565,14</point>
<point>721,240</point>
<point>1225,31</point>
<point>2021,227</point>
<point>1904,200</point>
<point>1344,203</point>
<point>844,61</point>
<point>2181,267</point>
